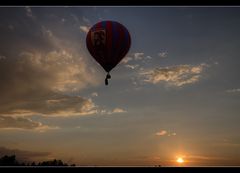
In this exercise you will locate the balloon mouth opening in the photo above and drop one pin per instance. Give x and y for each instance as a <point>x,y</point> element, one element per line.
<point>108,76</point>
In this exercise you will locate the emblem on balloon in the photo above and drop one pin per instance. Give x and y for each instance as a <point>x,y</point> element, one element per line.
<point>98,38</point>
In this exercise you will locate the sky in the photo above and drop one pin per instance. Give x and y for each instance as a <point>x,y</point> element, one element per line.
<point>176,94</point>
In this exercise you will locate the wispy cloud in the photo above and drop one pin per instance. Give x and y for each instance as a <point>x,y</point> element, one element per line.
<point>165,133</point>
<point>174,75</point>
<point>132,66</point>
<point>236,90</point>
<point>84,28</point>
<point>51,106</point>
<point>148,57</point>
<point>118,110</point>
<point>94,94</point>
<point>161,133</point>
<point>23,123</point>
<point>172,134</point>
<point>202,157</point>
<point>109,112</point>
<point>126,60</point>
<point>227,143</point>
<point>162,54</point>
<point>29,12</point>
<point>138,56</point>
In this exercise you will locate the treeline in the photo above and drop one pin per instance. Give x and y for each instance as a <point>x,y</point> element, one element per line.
<point>11,161</point>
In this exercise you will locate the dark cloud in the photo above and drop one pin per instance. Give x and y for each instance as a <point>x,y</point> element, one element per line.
<point>42,64</point>
<point>38,84</point>
<point>23,155</point>
<point>28,33</point>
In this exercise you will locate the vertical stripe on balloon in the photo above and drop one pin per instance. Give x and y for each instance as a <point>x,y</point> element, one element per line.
<point>109,42</point>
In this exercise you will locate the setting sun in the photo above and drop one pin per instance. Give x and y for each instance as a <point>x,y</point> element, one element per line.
<point>180,160</point>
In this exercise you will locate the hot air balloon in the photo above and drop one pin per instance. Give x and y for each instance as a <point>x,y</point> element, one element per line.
<point>108,42</point>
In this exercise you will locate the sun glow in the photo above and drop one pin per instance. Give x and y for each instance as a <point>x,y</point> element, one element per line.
<point>180,160</point>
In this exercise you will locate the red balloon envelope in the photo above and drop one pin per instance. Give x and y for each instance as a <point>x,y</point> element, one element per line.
<point>108,42</point>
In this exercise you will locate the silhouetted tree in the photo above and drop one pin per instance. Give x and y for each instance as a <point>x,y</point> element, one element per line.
<point>52,163</point>
<point>33,164</point>
<point>11,161</point>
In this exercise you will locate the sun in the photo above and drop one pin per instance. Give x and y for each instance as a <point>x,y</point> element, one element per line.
<point>179,160</point>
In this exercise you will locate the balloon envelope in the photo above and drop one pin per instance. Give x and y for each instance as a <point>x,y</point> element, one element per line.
<point>108,42</point>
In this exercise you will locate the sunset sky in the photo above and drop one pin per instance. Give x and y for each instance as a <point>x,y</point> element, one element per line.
<point>175,95</point>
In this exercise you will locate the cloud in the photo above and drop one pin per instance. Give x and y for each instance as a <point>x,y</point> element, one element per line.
<point>67,70</point>
<point>207,158</point>
<point>148,57</point>
<point>29,12</point>
<point>138,56</point>
<point>73,106</point>
<point>162,54</point>
<point>38,83</point>
<point>161,133</point>
<point>233,90</point>
<point>135,57</point>
<point>227,143</point>
<point>41,81</point>
<point>22,123</point>
<point>174,75</point>
<point>109,112</point>
<point>132,66</point>
<point>118,110</point>
<point>94,94</point>
<point>50,105</point>
<point>84,28</point>
<point>23,155</point>
<point>43,75</point>
<point>126,60</point>
<point>165,133</point>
